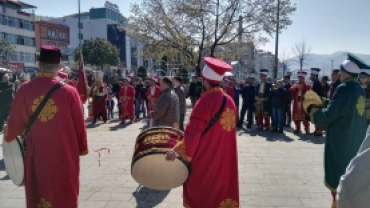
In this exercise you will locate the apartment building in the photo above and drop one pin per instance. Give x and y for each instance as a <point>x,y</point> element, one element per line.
<point>48,33</point>
<point>17,26</point>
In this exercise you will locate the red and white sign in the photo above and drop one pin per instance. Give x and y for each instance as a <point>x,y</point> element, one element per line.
<point>16,65</point>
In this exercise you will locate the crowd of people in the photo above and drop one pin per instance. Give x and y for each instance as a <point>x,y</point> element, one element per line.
<point>159,100</point>
<point>209,139</point>
<point>269,104</point>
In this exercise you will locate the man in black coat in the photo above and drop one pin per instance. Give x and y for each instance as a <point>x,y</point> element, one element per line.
<point>6,97</point>
<point>248,95</point>
<point>194,91</point>
<point>319,90</point>
<point>335,82</point>
<point>140,98</point>
<point>287,114</point>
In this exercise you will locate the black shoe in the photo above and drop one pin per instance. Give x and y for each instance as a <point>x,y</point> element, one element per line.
<point>317,134</point>
<point>280,131</point>
<point>274,130</point>
<point>297,132</point>
<point>249,127</point>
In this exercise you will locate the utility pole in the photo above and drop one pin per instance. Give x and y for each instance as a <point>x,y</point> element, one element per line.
<point>79,24</point>
<point>332,64</point>
<point>277,41</point>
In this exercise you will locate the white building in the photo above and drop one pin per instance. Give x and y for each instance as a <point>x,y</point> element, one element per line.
<point>18,28</point>
<point>266,60</point>
<point>100,28</point>
<point>96,28</point>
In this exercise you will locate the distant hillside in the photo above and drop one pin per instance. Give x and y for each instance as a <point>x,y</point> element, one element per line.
<point>325,61</point>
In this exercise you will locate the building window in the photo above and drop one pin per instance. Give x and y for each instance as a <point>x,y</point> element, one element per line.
<point>133,43</point>
<point>80,25</point>
<point>62,36</point>
<point>80,36</point>
<point>26,25</point>
<point>29,41</point>
<point>51,33</point>
<point>29,57</point>
<point>13,22</point>
<point>12,38</point>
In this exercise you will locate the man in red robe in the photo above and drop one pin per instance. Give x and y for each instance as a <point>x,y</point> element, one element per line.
<point>99,96</point>
<point>298,91</point>
<point>57,138</point>
<point>213,180</point>
<point>228,88</point>
<point>64,77</point>
<point>127,96</point>
<point>152,95</point>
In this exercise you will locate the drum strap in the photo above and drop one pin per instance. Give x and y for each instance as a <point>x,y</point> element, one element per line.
<point>216,116</point>
<point>39,108</point>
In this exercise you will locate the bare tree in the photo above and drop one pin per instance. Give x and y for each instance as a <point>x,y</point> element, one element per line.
<point>285,61</point>
<point>302,53</point>
<point>203,25</point>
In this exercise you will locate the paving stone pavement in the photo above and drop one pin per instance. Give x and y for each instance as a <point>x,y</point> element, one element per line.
<point>275,171</point>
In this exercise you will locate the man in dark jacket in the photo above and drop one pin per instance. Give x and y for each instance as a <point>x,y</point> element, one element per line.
<point>335,82</point>
<point>279,96</point>
<point>166,110</point>
<point>140,97</point>
<point>248,95</point>
<point>325,85</point>
<point>319,90</point>
<point>6,97</point>
<point>179,90</point>
<point>116,87</point>
<point>194,91</point>
<point>287,115</point>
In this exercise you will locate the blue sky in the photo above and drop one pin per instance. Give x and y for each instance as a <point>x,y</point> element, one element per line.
<point>326,25</point>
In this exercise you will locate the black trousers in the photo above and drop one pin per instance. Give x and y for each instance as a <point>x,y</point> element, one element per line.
<point>3,116</point>
<point>181,125</point>
<point>287,115</point>
<point>246,107</point>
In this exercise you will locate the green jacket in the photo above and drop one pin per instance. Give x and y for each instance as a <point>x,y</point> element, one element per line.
<point>267,102</point>
<point>345,121</point>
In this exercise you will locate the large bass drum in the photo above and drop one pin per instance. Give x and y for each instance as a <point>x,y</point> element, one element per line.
<point>14,160</point>
<point>149,165</point>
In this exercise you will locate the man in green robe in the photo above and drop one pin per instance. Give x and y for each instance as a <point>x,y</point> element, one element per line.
<point>345,121</point>
<point>263,101</point>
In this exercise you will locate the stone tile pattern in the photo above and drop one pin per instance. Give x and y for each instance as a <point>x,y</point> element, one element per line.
<point>275,171</point>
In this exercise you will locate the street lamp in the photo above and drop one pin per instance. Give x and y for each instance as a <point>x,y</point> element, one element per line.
<point>277,40</point>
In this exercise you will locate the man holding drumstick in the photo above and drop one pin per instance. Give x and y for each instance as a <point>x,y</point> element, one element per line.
<point>209,145</point>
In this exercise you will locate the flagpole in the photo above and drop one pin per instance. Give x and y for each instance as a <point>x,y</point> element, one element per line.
<point>79,23</point>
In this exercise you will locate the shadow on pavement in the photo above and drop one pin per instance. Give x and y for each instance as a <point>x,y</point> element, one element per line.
<point>270,136</point>
<point>148,198</point>
<point>91,126</point>
<point>312,139</point>
<point>118,127</point>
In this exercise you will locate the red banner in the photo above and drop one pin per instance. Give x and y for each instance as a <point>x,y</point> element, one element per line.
<point>82,82</point>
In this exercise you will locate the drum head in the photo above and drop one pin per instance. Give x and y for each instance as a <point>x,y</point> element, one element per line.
<point>153,171</point>
<point>13,159</point>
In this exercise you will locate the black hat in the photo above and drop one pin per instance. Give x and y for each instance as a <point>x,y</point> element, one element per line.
<point>50,54</point>
<point>336,70</point>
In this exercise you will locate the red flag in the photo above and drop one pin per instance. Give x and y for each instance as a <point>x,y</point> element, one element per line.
<point>82,82</point>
